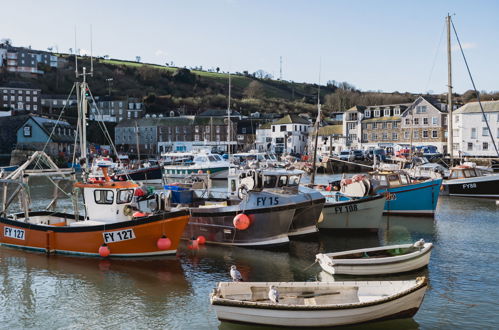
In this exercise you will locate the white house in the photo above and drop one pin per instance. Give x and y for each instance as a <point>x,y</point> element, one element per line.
<point>289,135</point>
<point>352,128</point>
<point>471,135</point>
<point>263,138</point>
<point>330,140</point>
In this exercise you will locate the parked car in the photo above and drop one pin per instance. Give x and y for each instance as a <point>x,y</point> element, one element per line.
<point>346,155</point>
<point>379,153</point>
<point>358,155</point>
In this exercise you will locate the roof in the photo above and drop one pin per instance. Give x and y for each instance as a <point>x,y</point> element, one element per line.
<point>158,121</point>
<point>265,126</point>
<point>218,113</point>
<point>47,125</point>
<point>356,108</point>
<point>331,130</point>
<point>474,107</point>
<point>291,119</point>
<point>428,99</point>
<point>375,119</point>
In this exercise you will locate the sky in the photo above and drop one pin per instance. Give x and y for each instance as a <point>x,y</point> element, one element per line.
<point>374,45</point>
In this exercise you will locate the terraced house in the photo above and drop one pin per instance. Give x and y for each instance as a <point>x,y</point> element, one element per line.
<point>424,122</point>
<point>381,125</point>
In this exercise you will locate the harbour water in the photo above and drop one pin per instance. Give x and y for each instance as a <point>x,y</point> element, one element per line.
<point>64,292</point>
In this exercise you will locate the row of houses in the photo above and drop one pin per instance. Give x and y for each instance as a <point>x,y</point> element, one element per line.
<point>420,123</point>
<point>26,60</point>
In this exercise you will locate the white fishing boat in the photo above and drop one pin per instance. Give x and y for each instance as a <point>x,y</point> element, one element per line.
<point>196,162</point>
<point>317,304</point>
<point>390,259</point>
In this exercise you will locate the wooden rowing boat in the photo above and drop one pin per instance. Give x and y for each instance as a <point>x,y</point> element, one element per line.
<point>317,304</point>
<point>390,259</point>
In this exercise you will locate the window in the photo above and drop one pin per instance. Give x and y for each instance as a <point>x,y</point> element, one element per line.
<point>196,137</point>
<point>273,129</point>
<point>294,180</point>
<point>376,113</point>
<point>389,125</point>
<point>406,135</point>
<point>364,136</point>
<point>485,146</point>
<point>425,120</point>
<point>383,125</point>
<point>395,136</point>
<point>368,113</point>
<point>473,133</point>
<point>283,180</point>
<point>416,121</point>
<point>375,125</point>
<point>416,134</point>
<point>270,181</point>
<point>124,196</point>
<point>387,113</point>
<point>421,109</point>
<point>434,134</point>
<point>385,136</point>
<point>283,128</point>
<point>425,134</point>
<point>5,98</point>
<point>434,120</point>
<point>243,130</point>
<point>104,196</point>
<point>470,146</point>
<point>396,112</point>
<point>407,121</point>
<point>27,131</point>
<point>485,116</point>
<point>485,131</point>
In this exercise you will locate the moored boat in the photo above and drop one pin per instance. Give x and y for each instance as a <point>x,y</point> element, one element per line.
<point>469,181</point>
<point>390,259</point>
<point>196,162</point>
<point>317,304</point>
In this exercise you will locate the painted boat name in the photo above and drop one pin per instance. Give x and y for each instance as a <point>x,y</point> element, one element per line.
<point>14,233</point>
<point>117,236</point>
<point>346,209</point>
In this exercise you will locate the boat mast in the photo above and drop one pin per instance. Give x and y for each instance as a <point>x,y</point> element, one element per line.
<point>316,130</point>
<point>228,122</point>
<point>137,135</point>
<point>450,132</point>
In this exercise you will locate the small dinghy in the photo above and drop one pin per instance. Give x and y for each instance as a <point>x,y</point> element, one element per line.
<point>390,259</point>
<point>317,304</point>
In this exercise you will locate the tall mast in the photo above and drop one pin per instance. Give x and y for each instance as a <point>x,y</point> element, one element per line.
<point>137,136</point>
<point>228,121</point>
<point>316,129</point>
<point>450,131</point>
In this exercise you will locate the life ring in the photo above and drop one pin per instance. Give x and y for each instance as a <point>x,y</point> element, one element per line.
<point>242,191</point>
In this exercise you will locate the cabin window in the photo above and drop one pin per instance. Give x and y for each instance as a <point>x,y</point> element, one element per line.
<point>455,174</point>
<point>283,180</point>
<point>394,180</point>
<point>212,158</point>
<point>104,196</point>
<point>124,196</point>
<point>404,179</point>
<point>469,173</point>
<point>294,180</point>
<point>270,181</point>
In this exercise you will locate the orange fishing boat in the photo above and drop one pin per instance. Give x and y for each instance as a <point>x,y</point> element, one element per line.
<point>111,223</point>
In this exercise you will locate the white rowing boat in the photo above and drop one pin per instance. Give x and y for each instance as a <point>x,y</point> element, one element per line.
<point>317,304</point>
<point>390,259</point>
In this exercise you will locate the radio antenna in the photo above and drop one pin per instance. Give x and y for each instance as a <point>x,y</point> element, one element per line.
<point>91,54</point>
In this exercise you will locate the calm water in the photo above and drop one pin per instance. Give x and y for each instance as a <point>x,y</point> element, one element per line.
<point>60,292</point>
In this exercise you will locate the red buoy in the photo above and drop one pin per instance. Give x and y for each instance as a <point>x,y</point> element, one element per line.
<point>104,250</point>
<point>164,243</point>
<point>139,214</point>
<point>201,240</point>
<point>241,221</point>
<point>200,172</point>
<point>139,192</point>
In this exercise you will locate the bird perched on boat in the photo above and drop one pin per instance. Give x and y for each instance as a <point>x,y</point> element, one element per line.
<point>235,274</point>
<point>273,294</point>
<point>419,244</point>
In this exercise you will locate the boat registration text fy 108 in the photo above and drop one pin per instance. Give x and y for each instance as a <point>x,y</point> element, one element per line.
<point>117,236</point>
<point>13,233</point>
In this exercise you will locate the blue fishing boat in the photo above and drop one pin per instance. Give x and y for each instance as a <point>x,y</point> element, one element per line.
<point>405,196</point>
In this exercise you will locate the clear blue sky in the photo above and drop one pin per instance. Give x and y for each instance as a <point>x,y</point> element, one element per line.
<point>374,45</point>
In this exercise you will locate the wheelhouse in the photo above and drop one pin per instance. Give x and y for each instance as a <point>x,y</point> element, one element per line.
<point>392,179</point>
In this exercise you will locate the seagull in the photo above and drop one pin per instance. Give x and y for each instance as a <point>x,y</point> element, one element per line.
<point>419,244</point>
<point>273,294</point>
<point>235,274</point>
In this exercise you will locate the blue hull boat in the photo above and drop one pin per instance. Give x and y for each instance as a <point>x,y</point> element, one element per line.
<point>408,197</point>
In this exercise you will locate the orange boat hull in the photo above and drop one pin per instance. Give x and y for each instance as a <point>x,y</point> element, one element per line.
<point>133,238</point>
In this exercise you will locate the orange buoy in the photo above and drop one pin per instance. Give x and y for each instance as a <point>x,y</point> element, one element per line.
<point>200,172</point>
<point>164,243</point>
<point>201,240</point>
<point>104,250</point>
<point>139,214</point>
<point>241,221</point>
